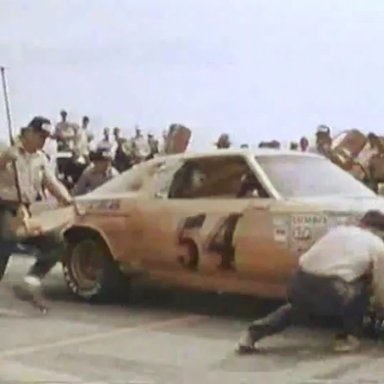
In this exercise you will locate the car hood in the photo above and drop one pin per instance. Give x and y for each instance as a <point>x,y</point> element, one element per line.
<point>338,204</point>
<point>89,197</point>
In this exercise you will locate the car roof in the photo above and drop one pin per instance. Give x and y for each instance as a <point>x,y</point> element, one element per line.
<point>237,152</point>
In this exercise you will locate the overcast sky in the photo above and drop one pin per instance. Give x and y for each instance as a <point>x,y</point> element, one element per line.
<point>257,69</point>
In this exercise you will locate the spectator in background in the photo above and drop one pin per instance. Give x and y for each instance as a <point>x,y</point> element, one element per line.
<point>65,133</point>
<point>223,142</point>
<point>274,144</point>
<point>153,145</point>
<point>97,173</point>
<point>106,143</point>
<point>141,148</point>
<point>83,139</point>
<point>323,141</point>
<point>304,144</point>
<point>163,143</point>
<point>122,151</point>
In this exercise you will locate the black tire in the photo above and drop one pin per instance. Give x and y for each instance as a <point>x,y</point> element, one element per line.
<point>105,282</point>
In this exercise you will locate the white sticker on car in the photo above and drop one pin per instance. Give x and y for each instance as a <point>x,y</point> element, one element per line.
<point>280,235</point>
<point>302,233</point>
<point>307,227</point>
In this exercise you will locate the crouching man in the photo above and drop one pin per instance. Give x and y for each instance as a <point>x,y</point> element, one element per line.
<point>97,173</point>
<point>334,279</point>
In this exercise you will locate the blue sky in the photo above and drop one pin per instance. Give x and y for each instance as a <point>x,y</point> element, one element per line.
<point>257,69</point>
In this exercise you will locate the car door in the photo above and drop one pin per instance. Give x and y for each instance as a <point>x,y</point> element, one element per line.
<point>197,231</point>
<point>261,241</point>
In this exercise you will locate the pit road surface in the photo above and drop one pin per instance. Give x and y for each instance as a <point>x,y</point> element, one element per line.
<point>162,336</point>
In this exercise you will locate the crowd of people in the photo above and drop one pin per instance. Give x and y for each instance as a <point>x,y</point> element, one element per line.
<point>84,163</point>
<point>93,161</point>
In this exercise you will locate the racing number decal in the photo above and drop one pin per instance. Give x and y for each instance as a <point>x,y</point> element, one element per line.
<point>219,240</point>
<point>187,236</point>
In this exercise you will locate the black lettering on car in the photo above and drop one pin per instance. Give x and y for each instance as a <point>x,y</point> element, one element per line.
<point>220,240</point>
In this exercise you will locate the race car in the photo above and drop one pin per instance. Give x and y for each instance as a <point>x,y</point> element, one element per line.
<point>228,220</point>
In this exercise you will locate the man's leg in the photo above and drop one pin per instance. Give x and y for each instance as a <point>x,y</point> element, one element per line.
<point>335,298</point>
<point>355,306</point>
<point>50,249</point>
<point>7,248</point>
<point>296,310</point>
<point>7,239</point>
<point>273,323</point>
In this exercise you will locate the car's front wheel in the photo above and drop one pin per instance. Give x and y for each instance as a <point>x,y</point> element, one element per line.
<point>90,271</point>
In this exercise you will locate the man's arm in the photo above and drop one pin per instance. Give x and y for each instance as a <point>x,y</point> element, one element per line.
<point>9,155</point>
<point>54,186</point>
<point>80,187</point>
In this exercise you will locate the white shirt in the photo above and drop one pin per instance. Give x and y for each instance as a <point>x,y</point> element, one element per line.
<point>82,143</point>
<point>142,148</point>
<point>33,170</point>
<point>68,132</point>
<point>345,251</point>
<point>348,252</point>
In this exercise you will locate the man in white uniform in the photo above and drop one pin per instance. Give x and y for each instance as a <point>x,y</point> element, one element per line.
<point>141,148</point>
<point>333,280</point>
<point>65,133</point>
<point>35,174</point>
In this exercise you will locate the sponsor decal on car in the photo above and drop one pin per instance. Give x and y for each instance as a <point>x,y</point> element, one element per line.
<point>99,205</point>
<point>280,235</point>
<point>309,219</point>
<point>306,227</point>
<point>280,229</point>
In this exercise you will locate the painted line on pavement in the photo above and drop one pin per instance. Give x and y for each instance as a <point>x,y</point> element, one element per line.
<point>14,372</point>
<point>100,336</point>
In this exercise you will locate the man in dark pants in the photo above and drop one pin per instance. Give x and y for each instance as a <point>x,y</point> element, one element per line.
<point>333,280</point>
<point>34,174</point>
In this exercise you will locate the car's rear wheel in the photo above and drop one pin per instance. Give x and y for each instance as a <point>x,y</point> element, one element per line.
<point>91,273</point>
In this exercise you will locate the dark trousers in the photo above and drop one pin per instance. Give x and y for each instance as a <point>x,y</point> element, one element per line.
<point>315,296</point>
<point>49,246</point>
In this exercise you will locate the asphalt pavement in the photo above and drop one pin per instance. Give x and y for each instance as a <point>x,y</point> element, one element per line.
<point>162,335</point>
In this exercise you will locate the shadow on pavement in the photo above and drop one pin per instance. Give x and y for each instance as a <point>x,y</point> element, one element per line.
<point>151,296</point>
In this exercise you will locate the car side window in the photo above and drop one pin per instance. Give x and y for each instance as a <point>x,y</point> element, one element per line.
<point>216,177</point>
<point>129,181</point>
<point>163,176</point>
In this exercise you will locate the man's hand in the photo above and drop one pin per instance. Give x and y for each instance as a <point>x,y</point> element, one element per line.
<point>32,227</point>
<point>66,201</point>
<point>11,154</point>
<point>8,156</point>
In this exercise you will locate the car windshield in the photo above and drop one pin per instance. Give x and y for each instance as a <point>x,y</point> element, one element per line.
<point>307,176</point>
<point>128,181</point>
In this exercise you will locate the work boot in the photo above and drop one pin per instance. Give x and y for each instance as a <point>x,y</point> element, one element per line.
<point>348,343</point>
<point>246,344</point>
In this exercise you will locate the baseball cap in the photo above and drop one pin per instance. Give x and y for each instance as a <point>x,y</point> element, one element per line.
<point>323,129</point>
<point>40,124</point>
<point>100,154</point>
